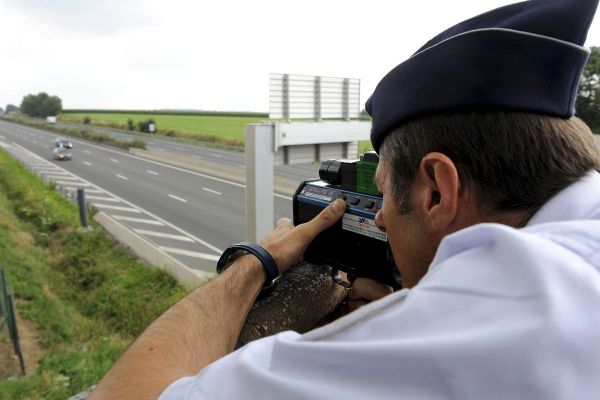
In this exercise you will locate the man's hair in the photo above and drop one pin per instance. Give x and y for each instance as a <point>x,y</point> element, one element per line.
<point>511,161</point>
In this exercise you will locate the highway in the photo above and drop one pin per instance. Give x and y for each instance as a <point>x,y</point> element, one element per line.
<point>192,215</point>
<point>236,160</point>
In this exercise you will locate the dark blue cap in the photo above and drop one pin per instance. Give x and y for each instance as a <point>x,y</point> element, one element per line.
<point>526,56</point>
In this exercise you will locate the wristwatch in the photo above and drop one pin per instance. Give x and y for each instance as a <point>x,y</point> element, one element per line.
<point>266,259</point>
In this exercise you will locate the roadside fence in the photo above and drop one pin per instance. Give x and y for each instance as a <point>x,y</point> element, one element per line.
<point>7,316</point>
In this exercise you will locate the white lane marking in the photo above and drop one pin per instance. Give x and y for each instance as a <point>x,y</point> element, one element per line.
<point>140,220</point>
<point>212,191</point>
<point>87,190</point>
<point>177,198</point>
<point>216,155</point>
<point>87,151</point>
<point>89,164</point>
<point>122,177</point>
<point>109,199</point>
<point>116,208</point>
<point>59,177</point>
<point>189,253</point>
<point>65,183</point>
<point>196,157</point>
<point>114,160</point>
<point>164,235</point>
<point>152,172</point>
<point>197,239</point>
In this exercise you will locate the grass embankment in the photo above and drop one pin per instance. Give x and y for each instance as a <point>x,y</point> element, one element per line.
<point>226,130</point>
<point>80,133</point>
<point>87,297</point>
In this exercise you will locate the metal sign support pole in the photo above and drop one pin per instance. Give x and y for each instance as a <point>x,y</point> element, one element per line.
<point>259,180</point>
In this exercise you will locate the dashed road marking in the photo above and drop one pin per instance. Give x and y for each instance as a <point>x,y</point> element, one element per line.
<point>177,198</point>
<point>152,172</point>
<point>139,220</point>
<point>114,160</point>
<point>109,199</point>
<point>212,191</point>
<point>117,208</point>
<point>195,254</point>
<point>65,183</point>
<point>89,164</point>
<point>87,152</point>
<point>164,235</point>
<point>122,177</point>
<point>58,177</point>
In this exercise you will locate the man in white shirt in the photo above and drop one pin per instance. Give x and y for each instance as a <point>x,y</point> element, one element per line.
<point>491,204</point>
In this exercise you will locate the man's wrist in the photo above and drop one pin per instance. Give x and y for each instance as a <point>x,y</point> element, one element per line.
<point>268,263</point>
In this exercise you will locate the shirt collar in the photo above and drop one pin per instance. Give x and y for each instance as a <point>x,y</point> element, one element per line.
<point>579,201</point>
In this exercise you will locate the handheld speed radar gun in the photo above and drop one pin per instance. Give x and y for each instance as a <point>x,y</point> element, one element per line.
<point>354,244</point>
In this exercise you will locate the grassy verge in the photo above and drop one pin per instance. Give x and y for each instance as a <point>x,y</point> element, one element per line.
<point>226,130</point>
<point>80,133</point>
<point>87,297</point>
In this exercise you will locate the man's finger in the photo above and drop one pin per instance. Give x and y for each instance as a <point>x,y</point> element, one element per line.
<point>369,289</point>
<point>329,216</point>
<point>284,222</point>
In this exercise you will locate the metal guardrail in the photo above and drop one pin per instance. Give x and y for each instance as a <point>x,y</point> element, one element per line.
<point>7,316</point>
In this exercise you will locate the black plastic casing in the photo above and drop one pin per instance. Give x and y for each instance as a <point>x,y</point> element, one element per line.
<point>354,253</point>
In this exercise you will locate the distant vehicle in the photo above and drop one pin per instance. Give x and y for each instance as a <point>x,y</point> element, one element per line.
<point>62,142</point>
<point>51,120</point>
<point>62,154</point>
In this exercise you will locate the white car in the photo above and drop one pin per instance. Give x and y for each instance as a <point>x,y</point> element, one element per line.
<point>62,154</point>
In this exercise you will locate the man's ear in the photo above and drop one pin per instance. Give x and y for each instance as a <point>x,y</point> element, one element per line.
<point>439,190</point>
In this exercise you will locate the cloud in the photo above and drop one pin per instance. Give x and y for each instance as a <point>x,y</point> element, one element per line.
<point>86,17</point>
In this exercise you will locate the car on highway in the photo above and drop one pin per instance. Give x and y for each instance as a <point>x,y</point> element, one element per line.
<point>62,154</point>
<point>62,142</point>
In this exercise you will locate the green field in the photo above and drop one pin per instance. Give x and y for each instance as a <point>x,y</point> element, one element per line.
<point>231,127</point>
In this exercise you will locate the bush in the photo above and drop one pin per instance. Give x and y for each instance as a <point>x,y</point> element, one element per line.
<point>130,124</point>
<point>144,126</point>
<point>87,120</point>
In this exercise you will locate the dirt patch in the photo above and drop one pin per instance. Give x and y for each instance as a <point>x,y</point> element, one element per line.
<point>30,348</point>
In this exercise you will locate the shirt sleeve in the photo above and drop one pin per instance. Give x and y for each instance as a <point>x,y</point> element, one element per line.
<point>500,314</point>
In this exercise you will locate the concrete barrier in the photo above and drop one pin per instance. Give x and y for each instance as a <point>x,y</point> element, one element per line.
<point>147,251</point>
<point>282,186</point>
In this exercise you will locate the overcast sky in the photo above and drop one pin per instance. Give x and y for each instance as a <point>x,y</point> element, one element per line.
<point>209,55</point>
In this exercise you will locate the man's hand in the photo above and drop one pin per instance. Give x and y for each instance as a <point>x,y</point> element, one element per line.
<point>287,243</point>
<point>364,291</point>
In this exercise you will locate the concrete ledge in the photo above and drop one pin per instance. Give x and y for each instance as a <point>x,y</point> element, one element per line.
<point>281,185</point>
<point>189,278</point>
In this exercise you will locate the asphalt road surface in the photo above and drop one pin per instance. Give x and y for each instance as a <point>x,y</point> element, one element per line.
<point>193,216</point>
<point>297,172</point>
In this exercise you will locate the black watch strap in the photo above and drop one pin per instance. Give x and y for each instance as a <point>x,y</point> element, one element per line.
<point>267,260</point>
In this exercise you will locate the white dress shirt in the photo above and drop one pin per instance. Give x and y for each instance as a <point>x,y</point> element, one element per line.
<point>502,313</point>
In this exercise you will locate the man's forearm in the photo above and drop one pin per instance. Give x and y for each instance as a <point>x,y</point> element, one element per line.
<point>198,330</point>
